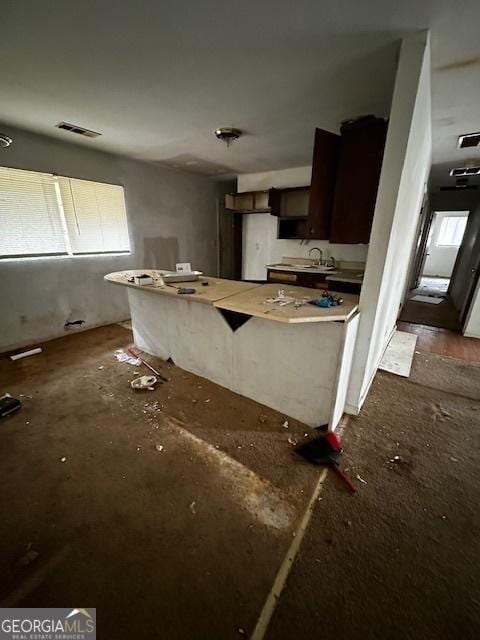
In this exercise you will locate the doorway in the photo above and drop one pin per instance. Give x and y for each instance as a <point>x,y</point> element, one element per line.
<point>443,243</point>
<point>429,301</point>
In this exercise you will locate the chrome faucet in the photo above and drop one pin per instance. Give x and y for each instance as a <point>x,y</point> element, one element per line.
<point>320,253</point>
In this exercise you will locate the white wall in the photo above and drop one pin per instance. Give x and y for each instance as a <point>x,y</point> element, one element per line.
<point>440,260</point>
<point>405,168</point>
<point>171,218</point>
<point>260,243</point>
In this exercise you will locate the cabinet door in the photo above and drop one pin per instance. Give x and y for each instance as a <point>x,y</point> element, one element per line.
<point>322,189</point>
<point>361,155</point>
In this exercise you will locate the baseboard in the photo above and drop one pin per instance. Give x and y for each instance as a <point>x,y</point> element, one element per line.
<point>352,410</point>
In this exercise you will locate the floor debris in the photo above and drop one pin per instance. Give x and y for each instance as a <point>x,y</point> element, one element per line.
<point>64,459</point>
<point>192,508</point>
<point>121,356</point>
<point>8,405</point>
<point>28,557</point>
<point>360,479</point>
<point>25,354</point>
<point>143,382</point>
<point>159,447</point>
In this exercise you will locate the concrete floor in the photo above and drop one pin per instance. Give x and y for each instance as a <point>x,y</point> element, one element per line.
<point>179,543</point>
<point>186,542</point>
<point>401,559</point>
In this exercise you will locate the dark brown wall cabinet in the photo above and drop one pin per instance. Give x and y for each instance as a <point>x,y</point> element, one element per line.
<point>291,207</point>
<point>360,162</point>
<point>324,171</point>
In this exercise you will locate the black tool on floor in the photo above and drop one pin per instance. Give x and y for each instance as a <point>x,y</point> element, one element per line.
<point>325,451</point>
<point>8,405</point>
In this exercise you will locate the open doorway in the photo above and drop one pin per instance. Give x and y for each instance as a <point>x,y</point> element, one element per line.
<point>443,243</point>
<point>429,301</point>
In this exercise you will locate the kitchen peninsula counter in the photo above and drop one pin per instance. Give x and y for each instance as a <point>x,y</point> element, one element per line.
<point>295,360</point>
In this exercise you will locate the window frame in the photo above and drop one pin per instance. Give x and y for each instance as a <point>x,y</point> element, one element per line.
<point>444,222</point>
<point>70,253</point>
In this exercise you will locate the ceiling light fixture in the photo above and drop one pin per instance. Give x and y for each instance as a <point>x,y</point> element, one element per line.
<point>228,134</point>
<point>5,141</point>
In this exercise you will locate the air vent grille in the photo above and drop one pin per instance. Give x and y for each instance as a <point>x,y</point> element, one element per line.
<point>469,140</point>
<point>81,131</point>
<point>465,171</point>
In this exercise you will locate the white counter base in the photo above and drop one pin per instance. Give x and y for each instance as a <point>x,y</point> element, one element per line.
<point>300,370</point>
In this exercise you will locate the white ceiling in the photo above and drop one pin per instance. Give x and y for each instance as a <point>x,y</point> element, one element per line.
<point>156,77</point>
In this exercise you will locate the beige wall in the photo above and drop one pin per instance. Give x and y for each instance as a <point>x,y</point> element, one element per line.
<point>171,218</point>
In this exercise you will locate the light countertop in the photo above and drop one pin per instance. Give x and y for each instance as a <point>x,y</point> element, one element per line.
<point>246,297</point>
<point>216,289</point>
<point>253,303</point>
<point>355,276</point>
<point>299,269</point>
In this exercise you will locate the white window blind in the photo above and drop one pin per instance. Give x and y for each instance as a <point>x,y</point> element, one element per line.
<point>95,216</point>
<point>451,231</point>
<point>43,214</point>
<point>30,223</point>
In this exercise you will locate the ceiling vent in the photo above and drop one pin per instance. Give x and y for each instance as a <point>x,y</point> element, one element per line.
<point>465,171</point>
<point>88,133</point>
<point>468,140</point>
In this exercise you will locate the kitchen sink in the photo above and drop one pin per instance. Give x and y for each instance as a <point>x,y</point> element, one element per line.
<point>318,268</point>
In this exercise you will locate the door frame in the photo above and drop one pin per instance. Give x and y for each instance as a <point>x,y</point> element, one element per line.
<point>425,222</point>
<point>467,303</point>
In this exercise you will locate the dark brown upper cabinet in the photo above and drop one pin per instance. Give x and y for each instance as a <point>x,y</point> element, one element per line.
<point>291,202</point>
<point>324,171</point>
<point>290,205</point>
<point>359,166</point>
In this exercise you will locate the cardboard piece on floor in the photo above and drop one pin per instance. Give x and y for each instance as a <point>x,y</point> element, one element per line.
<point>398,355</point>
<point>429,299</point>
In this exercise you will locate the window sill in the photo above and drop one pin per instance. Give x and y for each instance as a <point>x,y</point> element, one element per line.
<point>66,256</point>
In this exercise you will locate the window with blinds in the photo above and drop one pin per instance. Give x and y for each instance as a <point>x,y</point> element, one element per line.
<point>46,215</point>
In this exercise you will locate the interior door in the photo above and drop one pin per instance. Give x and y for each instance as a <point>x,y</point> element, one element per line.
<point>464,276</point>
<point>230,226</point>
<point>425,223</point>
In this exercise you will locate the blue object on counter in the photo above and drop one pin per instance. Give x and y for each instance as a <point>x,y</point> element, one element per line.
<point>185,290</point>
<point>326,303</point>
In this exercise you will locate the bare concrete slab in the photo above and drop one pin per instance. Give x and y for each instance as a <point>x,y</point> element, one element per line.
<point>173,509</point>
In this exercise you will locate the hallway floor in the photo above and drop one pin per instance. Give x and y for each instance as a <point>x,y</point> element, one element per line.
<point>442,315</point>
<point>433,284</point>
<point>443,341</point>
